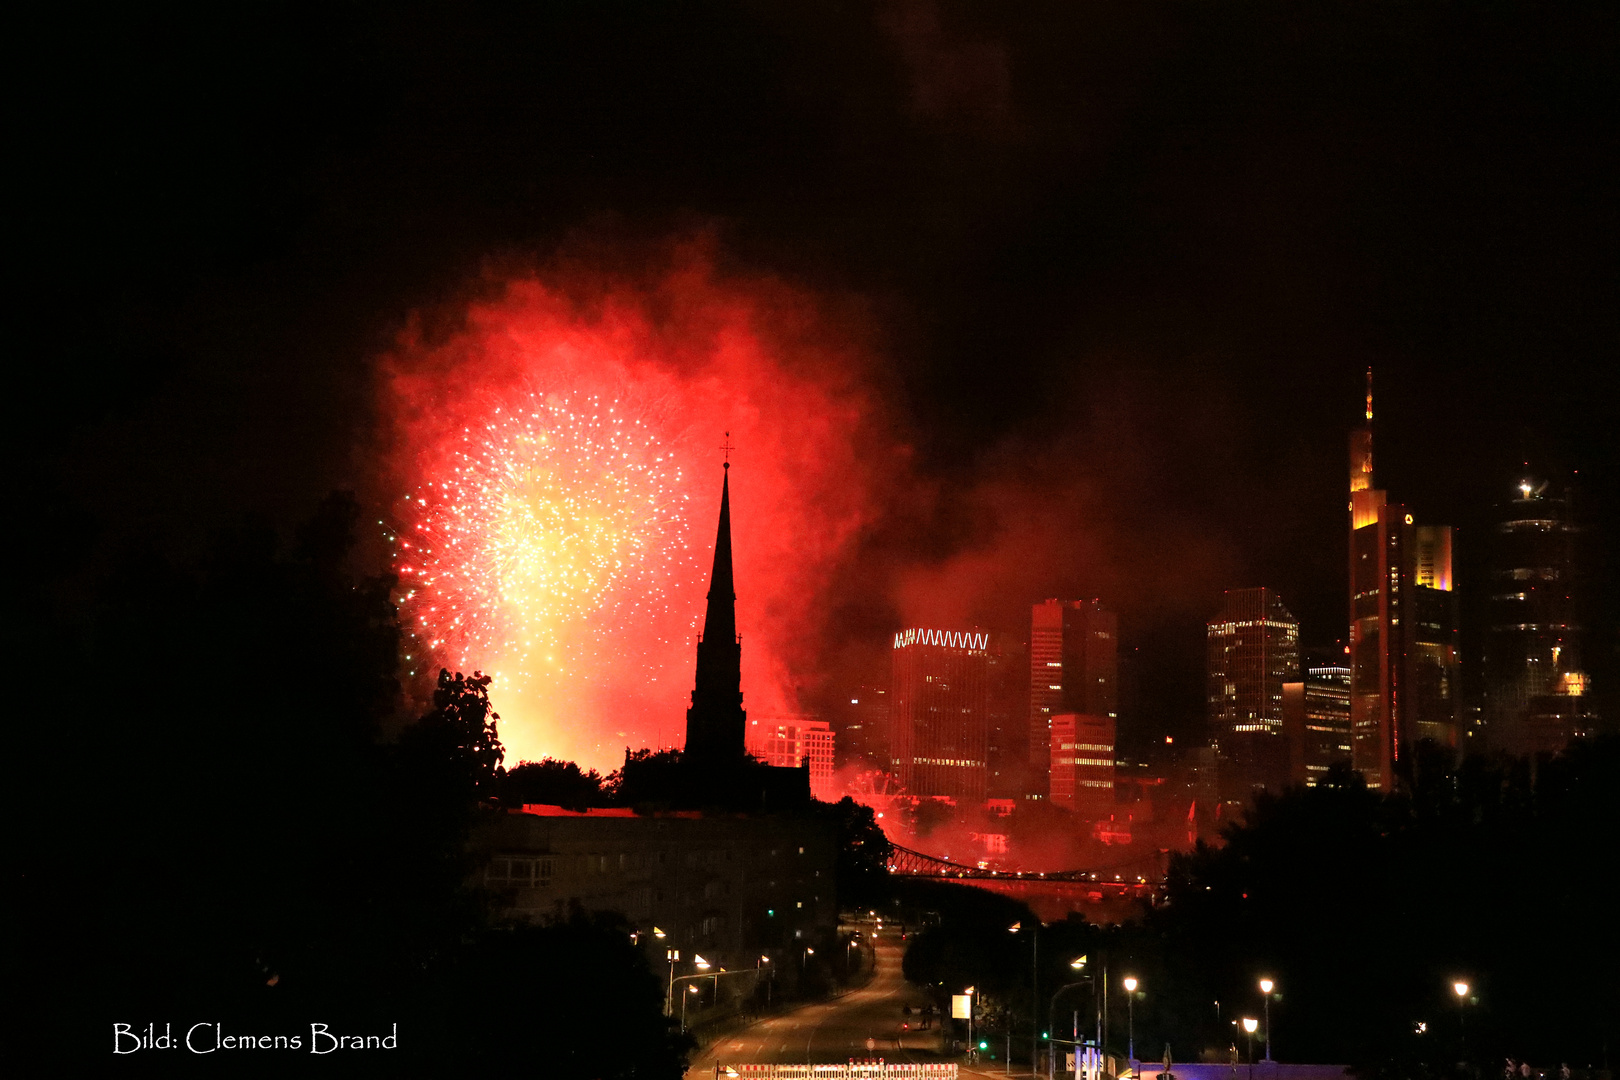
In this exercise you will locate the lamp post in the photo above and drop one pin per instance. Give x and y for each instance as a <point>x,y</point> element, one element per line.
<point>689,990</point>
<point>1034,991</point>
<point>692,987</point>
<point>673,956</point>
<point>1266,986</point>
<point>970,991</point>
<point>763,959</point>
<point>1130,1019</point>
<point>1249,1026</point>
<point>1051,1016</point>
<point>1460,988</point>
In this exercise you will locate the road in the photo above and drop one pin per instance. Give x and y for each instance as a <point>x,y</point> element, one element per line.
<point>836,1030</point>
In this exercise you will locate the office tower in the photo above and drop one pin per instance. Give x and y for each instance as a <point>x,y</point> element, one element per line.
<point>1253,649</point>
<point>791,742</point>
<point>1073,668</point>
<point>716,721</point>
<point>1083,763</point>
<point>1316,717</point>
<point>938,705</point>
<point>1007,732</point>
<point>1535,689</point>
<point>861,723</point>
<point>1403,625</point>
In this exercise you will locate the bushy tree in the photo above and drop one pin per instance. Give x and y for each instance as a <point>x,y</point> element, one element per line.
<point>553,783</point>
<point>863,852</point>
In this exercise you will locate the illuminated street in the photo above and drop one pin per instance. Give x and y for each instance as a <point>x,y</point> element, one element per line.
<point>834,1030</point>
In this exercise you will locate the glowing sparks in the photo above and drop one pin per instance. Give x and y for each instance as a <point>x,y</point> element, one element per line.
<point>554,485</point>
<point>556,513</point>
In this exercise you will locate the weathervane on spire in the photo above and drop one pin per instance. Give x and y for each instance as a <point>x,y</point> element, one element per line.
<point>727,448</point>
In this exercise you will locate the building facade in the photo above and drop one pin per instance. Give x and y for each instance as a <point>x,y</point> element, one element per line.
<point>728,887</point>
<point>1316,719</point>
<point>1073,668</point>
<point>1083,756</point>
<point>1404,656</point>
<point>939,701</point>
<point>1007,732</point>
<point>860,718</point>
<point>1536,691</point>
<point>790,742</point>
<point>1252,651</point>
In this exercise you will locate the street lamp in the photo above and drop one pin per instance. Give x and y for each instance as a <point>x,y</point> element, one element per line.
<point>969,992</point>
<point>693,987</point>
<point>1250,1024</point>
<point>1078,964</point>
<point>1461,988</point>
<point>1266,986</point>
<point>690,989</point>
<point>1130,1018</point>
<point>673,956</point>
<point>1034,990</point>
<point>763,959</point>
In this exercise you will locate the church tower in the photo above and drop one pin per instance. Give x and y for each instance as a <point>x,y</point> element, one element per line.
<point>715,723</point>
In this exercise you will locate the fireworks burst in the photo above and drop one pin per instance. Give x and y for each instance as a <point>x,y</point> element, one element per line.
<point>559,447</point>
<point>554,521</point>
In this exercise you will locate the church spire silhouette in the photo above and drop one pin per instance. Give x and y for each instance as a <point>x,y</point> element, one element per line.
<point>715,722</point>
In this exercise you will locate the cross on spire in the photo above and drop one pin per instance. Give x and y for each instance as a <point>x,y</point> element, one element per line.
<point>727,448</point>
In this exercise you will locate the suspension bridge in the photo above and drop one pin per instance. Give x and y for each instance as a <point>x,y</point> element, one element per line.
<point>1104,894</point>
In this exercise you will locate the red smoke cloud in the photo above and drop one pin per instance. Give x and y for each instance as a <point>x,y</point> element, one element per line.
<point>682,358</point>
<point>838,540</point>
<point>1077,517</point>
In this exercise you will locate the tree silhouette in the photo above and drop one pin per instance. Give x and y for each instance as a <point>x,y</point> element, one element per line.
<point>217,828</point>
<point>554,783</point>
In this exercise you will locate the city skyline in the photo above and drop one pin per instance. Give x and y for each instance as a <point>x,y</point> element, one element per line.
<point>1129,380</point>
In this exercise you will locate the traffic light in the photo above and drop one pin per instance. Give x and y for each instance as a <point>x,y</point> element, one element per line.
<point>983,1045</point>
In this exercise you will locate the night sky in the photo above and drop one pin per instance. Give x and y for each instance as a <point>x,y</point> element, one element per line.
<point>1113,271</point>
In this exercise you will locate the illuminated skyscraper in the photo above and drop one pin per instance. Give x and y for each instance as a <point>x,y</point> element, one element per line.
<point>860,720</point>
<point>938,713</point>
<point>1007,732</point>
<point>1253,650</point>
<point>1535,688</point>
<point>1073,668</point>
<point>1316,717</point>
<point>1083,763</point>
<point>791,742</point>
<point>1403,625</point>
